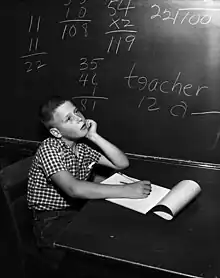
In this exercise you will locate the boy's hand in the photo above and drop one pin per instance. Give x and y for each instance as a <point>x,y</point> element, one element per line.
<point>92,128</point>
<point>138,190</point>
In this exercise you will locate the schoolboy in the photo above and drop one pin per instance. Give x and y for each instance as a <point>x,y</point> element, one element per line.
<point>59,174</point>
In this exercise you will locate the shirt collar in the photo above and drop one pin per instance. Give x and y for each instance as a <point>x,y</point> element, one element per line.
<point>65,145</point>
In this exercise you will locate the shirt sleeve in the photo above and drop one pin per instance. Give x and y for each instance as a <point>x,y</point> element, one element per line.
<point>51,160</point>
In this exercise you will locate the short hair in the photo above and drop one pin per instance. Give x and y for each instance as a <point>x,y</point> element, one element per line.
<point>48,107</point>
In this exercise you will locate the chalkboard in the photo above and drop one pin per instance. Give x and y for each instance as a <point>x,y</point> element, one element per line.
<point>147,71</point>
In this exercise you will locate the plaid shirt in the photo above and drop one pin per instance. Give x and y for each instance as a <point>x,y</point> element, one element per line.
<point>52,156</point>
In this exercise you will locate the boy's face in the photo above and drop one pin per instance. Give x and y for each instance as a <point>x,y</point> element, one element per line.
<point>69,122</point>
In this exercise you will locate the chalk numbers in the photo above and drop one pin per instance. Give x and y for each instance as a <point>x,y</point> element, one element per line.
<point>33,59</point>
<point>178,110</point>
<point>120,6</point>
<point>180,16</point>
<point>71,25</point>
<point>120,24</point>
<point>34,65</point>
<point>86,65</point>
<point>88,76</point>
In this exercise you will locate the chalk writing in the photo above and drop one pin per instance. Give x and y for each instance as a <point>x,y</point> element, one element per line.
<point>174,109</point>
<point>216,141</point>
<point>165,87</point>
<point>206,112</point>
<point>88,74</point>
<point>178,110</point>
<point>70,27</point>
<point>192,16</point>
<point>153,103</point>
<point>92,65</point>
<point>140,83</point>
<point>120,25</point>
<point>33,51</point>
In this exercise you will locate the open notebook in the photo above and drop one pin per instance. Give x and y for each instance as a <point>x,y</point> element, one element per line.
<point>165,202</point>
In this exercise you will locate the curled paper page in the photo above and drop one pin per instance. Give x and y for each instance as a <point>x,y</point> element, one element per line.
<point>177,198</point>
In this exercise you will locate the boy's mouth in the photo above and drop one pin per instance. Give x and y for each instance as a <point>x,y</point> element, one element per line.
<point>84,126</point>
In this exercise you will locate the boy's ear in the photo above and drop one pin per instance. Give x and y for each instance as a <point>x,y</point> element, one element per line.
<point>55,132</point>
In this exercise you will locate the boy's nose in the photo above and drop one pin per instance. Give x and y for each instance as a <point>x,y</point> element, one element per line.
<point>78,118</point>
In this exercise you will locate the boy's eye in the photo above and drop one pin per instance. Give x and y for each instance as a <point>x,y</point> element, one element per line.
<point>68,118</point>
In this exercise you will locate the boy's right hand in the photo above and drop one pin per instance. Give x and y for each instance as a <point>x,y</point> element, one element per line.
<point>138,190</point>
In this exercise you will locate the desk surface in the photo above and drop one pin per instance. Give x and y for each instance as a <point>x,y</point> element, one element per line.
<point>188,244</point>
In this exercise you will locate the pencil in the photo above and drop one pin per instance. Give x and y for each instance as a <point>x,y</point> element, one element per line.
<point>130,179</point>
<point>123,182</point>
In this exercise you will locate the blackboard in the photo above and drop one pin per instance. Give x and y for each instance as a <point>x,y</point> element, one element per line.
<point>147,71</point>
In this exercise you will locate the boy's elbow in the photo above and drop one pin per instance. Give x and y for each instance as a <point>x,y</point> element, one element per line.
<point>76,192</point>
<point>71,191</point>
<point>126,163</point>
<point>123,165</point>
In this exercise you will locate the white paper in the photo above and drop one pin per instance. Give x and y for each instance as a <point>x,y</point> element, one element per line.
<point>174,199</point>
<point>180,195</point>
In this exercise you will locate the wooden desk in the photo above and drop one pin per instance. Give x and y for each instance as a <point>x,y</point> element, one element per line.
<point>187,245</point>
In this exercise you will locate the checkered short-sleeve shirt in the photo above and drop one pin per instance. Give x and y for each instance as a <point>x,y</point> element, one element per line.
<point>52,156</point>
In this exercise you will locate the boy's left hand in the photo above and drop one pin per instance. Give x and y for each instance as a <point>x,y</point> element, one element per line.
<point>92,128</point>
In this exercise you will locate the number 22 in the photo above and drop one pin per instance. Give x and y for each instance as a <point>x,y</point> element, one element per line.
<point>37,63</point>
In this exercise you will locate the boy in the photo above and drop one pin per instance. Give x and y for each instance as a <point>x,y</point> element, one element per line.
<point>62,165</point>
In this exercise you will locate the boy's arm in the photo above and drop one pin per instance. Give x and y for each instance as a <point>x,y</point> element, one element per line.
<point>90,190</point>
<point>115,158</point>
